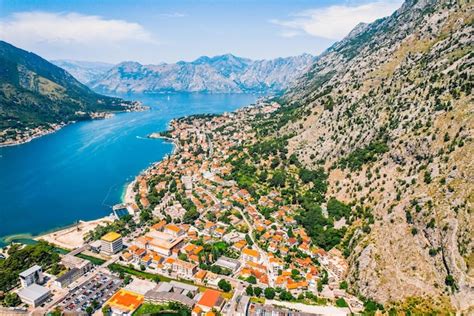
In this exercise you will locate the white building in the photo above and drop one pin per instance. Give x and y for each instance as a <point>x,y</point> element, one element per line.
<point>31,276</point>
<point>111,243</point>
<point>34,295</point>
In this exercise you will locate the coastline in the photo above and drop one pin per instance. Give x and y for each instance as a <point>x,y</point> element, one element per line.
<point>54,127</point>
<point>40,133</point>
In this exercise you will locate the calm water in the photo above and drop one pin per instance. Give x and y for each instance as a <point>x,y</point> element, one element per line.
<point>80,171</point>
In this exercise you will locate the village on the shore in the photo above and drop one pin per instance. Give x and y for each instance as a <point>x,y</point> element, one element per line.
<point>188,237</point>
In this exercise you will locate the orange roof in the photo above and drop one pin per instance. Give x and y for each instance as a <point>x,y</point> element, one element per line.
<point>201,274</point>
<point>125,300</point>
<point>250,252</point>
<point>193,258</point>
<point>159,226</point>
<point>174,228</point>
<point>170,260</point>
<point>189,247</point>
<point>198,249</point>
<point>209,298</point>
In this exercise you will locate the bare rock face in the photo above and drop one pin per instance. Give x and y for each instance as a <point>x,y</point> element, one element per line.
<point>220,74</point>
<point>389,112</point>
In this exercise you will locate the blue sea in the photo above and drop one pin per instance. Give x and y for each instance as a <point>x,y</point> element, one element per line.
<point>79,172</point>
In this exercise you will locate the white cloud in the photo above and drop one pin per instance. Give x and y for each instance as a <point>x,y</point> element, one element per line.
<point>335,22</point>
<point>56,34</point>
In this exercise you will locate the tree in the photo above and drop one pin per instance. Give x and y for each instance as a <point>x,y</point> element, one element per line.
<point>89,310</point>
<point>56,312</point>
<point>286,296</point>
<point>257,291</point>
<point>269,293</point>
<point>106,310</point>
<point>224,285</point>
<point>252,279</point>
<point>340,302</point>
<point>343,285</point>
<point>11,299</point>
<point>249,290</point>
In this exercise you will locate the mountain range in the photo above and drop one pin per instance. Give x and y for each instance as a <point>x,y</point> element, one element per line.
<point>219,74</point>
<point>35,93</point>
<point>388,111</point>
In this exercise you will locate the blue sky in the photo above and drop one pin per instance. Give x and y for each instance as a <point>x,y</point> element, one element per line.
<point>168,31</point>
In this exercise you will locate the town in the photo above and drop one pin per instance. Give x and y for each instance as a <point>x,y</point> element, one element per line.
<point>193,237</point>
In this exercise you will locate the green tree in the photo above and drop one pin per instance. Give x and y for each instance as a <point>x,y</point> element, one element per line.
<point>224,285</point>
<point>252,279</point>
<point>249,290</point>
<point>106,310</point>
<point>89,310</point>
<point>257,291</point>
<point>269,293</point>
<point>343,285</point>
<point>11,299</point>
<point>340,302</point>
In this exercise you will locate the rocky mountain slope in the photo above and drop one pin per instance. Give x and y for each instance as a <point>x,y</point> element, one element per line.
<point>219,74</point>
<point>84,71</point>
<point>35,93</point>
<point>388,112</point>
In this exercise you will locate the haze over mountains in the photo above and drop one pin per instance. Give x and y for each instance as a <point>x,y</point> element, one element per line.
<point>84,71</point>
<point>219,74</point>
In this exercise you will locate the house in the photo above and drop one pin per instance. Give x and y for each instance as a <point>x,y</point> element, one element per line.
<point>184,268</point>
<point>228,263</point>
<point>210,299</point>
<point>250,255</point>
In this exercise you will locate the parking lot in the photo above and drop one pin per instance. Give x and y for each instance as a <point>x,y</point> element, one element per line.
<point>98,289</point>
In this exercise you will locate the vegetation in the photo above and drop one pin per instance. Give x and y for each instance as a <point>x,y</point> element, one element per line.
<point>171,308</point>
<point>22,258</point>
<point>224,285</point>
<point>361,156</point>
<point>52,96</point>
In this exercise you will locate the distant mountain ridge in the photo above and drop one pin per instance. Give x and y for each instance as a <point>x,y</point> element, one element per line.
<point>84,71</point>
<point>219,74</point>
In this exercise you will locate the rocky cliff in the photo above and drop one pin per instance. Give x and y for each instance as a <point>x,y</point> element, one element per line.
<point>388,111</point>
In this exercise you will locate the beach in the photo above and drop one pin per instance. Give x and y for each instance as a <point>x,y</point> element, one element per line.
<point>73,237</point>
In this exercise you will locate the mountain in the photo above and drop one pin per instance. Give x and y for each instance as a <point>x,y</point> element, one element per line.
<point>388,113</point>
<point>84,71</point>
<point>219,74</point>
<point>37,94</point>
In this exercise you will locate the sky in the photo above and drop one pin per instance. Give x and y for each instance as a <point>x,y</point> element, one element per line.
<point>153,32</point>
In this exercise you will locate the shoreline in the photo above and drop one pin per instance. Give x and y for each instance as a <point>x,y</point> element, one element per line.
<point>55,127</point>
<point>38,135</point>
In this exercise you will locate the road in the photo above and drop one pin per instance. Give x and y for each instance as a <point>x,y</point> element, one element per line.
<point>266,261</point>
